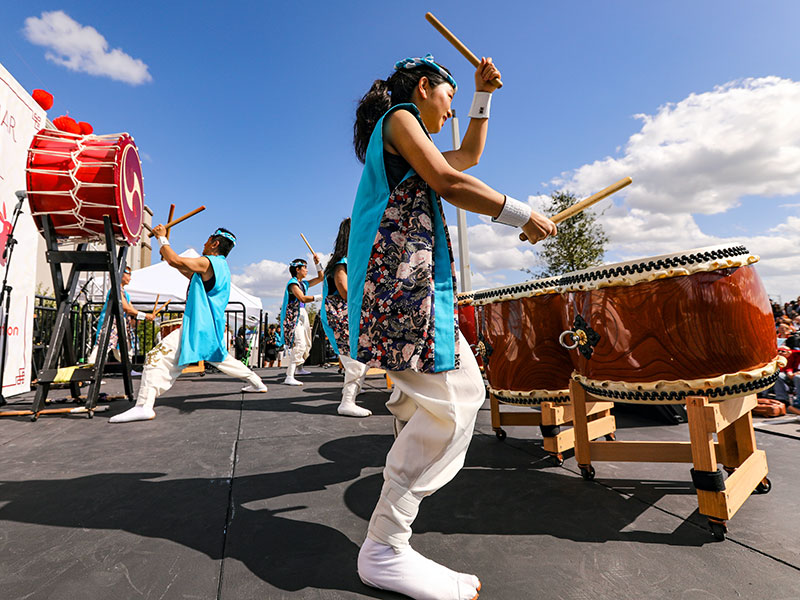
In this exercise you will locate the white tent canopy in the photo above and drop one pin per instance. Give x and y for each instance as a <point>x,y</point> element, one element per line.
<point>169,284</point>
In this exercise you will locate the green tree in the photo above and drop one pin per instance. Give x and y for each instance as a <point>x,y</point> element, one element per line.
<point>580,243</point>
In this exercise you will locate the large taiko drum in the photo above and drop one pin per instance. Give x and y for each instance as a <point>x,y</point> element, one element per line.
<point>78,180</point>
<point>518,328</point>
<point>656,330</point>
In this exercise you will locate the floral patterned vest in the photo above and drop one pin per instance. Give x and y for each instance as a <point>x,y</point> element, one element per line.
<point>401,273</point>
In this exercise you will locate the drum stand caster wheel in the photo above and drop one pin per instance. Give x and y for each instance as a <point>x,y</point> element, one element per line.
<point>587,472</point>
<point>764,487</point>
<point>611,437</point>
<point>558,459</point>
<point>718,529</point>
<point>500,433</point>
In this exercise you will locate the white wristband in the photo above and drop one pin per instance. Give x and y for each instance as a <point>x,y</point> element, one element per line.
<point>481,102</point>
<point>139,315</point>
<point>514,213</point>
<point>163,240</point>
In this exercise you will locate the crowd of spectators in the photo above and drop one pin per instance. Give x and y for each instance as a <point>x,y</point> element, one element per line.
<point>787,329</point>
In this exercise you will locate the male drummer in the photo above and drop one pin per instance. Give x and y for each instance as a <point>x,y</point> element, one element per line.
<point>202,333</point>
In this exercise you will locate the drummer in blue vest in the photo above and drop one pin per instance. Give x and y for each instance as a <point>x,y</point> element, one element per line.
<point>295,328</point>
<point>334,322</point>
<point>202,333</point>
<point>128,309</point>
<point>401,303</point>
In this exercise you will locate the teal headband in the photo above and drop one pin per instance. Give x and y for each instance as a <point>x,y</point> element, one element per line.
<point>298,263</point>
<point>225,234</point>
<point>410,63</point>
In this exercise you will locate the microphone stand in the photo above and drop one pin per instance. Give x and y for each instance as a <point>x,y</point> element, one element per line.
<point>5,291</point>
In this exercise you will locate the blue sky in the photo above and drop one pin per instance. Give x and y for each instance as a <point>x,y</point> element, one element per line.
<point>247,107</point>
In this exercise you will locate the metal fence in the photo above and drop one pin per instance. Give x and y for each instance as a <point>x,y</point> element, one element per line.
<point>145,334</point>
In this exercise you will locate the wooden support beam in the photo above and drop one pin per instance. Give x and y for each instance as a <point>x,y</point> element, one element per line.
<point>720,415</point>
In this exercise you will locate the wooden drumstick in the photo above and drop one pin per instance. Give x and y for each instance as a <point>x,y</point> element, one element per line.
<point>158,311</point>
<point>307,244</point>
<point>459,46</point>
<point>169,217</point>
<point>155,304</point>
<point>573,210</point>
<point>181,219</point>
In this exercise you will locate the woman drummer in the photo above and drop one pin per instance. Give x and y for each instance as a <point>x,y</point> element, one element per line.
<point>401,298</point>
<point>334,322</point>
<point>295,330</point>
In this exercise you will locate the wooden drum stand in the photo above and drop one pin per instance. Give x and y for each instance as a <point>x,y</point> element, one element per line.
<point>730,419</point>
<point>555,421</point>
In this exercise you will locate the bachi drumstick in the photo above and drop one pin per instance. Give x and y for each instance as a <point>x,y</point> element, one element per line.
<point>182,219</point>
<point>573,210</point>
<point>474,60</point>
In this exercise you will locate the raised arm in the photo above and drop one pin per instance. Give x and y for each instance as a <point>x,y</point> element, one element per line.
<point>404,134</point>
<point>471,148</point>
<point>320,273</point>
<point>187,266</point>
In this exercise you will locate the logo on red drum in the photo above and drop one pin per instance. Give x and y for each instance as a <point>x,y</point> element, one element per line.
<point>131,188</point>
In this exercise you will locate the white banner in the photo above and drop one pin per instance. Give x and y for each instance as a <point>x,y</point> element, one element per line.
<point>20,118</point>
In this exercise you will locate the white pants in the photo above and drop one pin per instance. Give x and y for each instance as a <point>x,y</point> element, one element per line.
<point>161,369</point>
<point>301,347</point>
<point>354,373</point>
<point>440,410</point>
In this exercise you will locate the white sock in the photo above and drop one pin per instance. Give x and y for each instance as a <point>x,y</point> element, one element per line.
<point>351,409</point>
<point>137,413</point>
<point>406,571</point>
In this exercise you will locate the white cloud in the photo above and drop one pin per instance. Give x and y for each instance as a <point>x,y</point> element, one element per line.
<point>701,155</point>
<point>267,279</point>
<point>82,48</point>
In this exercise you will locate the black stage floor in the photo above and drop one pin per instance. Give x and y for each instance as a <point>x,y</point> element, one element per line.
<point>269,496</point>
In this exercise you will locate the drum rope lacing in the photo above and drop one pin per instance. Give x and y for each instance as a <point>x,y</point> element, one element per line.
<point>678,396</point>
<point>74,155</point>
<point>600,273</point>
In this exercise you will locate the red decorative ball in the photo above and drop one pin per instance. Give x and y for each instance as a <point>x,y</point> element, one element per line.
<point>86,129</point>
<point>68,124</point>
<point>43,99</point>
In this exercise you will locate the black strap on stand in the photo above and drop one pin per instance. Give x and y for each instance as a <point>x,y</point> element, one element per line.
<point>111,261</point>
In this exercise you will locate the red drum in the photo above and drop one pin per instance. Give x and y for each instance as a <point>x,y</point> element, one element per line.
<point>466,322</point>
<point>168,327</point>
<point>78,180</point>
<point>518,329</point>
<point>697,323</point>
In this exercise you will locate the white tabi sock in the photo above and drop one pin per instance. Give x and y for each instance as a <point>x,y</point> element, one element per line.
<point>137,413</point>
<point>406,571</point>
<point>351,409</point>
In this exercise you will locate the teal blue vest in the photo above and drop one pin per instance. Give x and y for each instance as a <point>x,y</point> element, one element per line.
<point>281,338</point>
<point>371,200</point>
<point>203,330</point>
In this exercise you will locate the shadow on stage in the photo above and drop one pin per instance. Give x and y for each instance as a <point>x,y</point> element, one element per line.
<point>500,492</point>
<point>325,401</point>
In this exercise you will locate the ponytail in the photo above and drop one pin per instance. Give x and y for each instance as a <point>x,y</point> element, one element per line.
<point>370,109</point>
<point>397,89</point>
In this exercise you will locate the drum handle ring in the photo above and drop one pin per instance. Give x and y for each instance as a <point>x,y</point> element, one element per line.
<point>566,333</point>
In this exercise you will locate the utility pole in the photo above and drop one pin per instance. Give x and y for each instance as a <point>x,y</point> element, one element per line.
<point>461,222</point>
